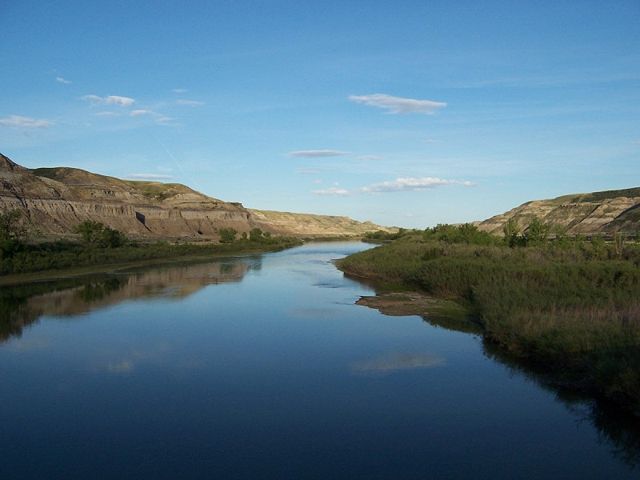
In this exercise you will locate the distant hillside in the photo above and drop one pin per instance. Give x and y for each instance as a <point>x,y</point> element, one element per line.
<point>57,199</point>
<point>605,212</point>
<point>299,223</point>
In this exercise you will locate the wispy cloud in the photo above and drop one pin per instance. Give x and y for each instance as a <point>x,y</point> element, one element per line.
<point>412,184</point>
<point>17,121</point>
<point>163,120</point>
<point>149,176</point>
<point>317,153</point>
<point>333,191</point>
<point>179,90</point>
<point>63,80</point>
<point>140,112</point>
<point>109,100</point>
<point>159,118</point>
<point>397,105</point>
<point>189,103</point>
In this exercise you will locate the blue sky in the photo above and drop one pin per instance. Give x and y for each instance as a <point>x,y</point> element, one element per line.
<point>404,113</point>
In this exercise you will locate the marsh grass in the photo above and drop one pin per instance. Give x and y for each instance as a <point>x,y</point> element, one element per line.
<point>572,304</point>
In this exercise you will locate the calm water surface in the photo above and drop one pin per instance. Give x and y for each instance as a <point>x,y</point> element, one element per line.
<point>263,367</point>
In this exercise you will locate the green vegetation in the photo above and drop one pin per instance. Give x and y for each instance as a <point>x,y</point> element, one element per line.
<point>155,190</point>
<point>227,235</point>
<point>99,235</point>
<point>599,196</point>
<point>380,236</point>
<point>102,245</point>
<point>13,233</point>
<point>569,304</point>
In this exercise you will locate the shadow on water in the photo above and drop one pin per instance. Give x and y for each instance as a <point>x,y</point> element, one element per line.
<point>619,429</point>
<point>24,305</point>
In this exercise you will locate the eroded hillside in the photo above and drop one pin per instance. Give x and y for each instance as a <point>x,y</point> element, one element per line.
<point>604,212</point>
<point>55,200</point>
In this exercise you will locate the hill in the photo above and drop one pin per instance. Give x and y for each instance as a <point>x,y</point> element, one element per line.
<point>606,212</point>
<point>56,199</point>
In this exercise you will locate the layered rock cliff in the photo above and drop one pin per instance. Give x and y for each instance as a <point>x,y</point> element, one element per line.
<point>55,200</point>
<point>605,212</point>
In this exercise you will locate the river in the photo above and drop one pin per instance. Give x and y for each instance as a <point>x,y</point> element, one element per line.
<point>263,367</point>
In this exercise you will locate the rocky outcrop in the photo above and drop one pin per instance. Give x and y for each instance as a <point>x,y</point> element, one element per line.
<point>607,212</point>
<point>55,200</point>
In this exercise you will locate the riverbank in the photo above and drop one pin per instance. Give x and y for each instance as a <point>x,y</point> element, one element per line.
<point>65,259</point>
<point>571,307</point>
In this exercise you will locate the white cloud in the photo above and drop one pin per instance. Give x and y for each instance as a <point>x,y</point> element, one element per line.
<point>163,120</point>
<point>159,118</point>
<point>317,153</point>
<point>398,104</point>
<point>149,176</point>
<point>63,80</point>
<point>189,103</point>
<point>367,158</point>
<point>333,191</point>
<point>140,112</point>
<point>17,121</point>
<point>109,100</point>
<point>179,90</point>
<point>412,184</point>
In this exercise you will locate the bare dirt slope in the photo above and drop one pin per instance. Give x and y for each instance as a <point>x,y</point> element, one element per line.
<point>56,199</point>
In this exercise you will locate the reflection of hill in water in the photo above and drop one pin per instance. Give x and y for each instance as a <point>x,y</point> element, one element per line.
<point>23,305</point>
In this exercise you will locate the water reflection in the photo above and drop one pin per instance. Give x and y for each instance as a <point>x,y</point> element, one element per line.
<point>619,429</point>
<point>317,363</point>
<point>23,305</point>
<point>395,362</point>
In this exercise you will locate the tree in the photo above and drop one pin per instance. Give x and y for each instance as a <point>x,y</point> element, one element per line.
<point>537,232</point>
<point>255,235</point>
<point>227,235</point>
<point>12,226</point>
<point>13,232</point>
<point>511,231</point>
<point>98,234</point>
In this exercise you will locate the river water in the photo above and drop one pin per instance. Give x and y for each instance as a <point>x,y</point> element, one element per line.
<point>262,367</point>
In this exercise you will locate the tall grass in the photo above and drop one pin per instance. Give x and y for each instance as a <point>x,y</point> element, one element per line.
<point>571,304</point>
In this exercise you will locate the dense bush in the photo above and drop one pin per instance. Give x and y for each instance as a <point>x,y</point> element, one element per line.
<point>227,235</point>
<point>99,235</point>
<point>13,232</point>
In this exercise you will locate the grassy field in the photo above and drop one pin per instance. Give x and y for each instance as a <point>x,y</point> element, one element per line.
<point>571,305</point>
